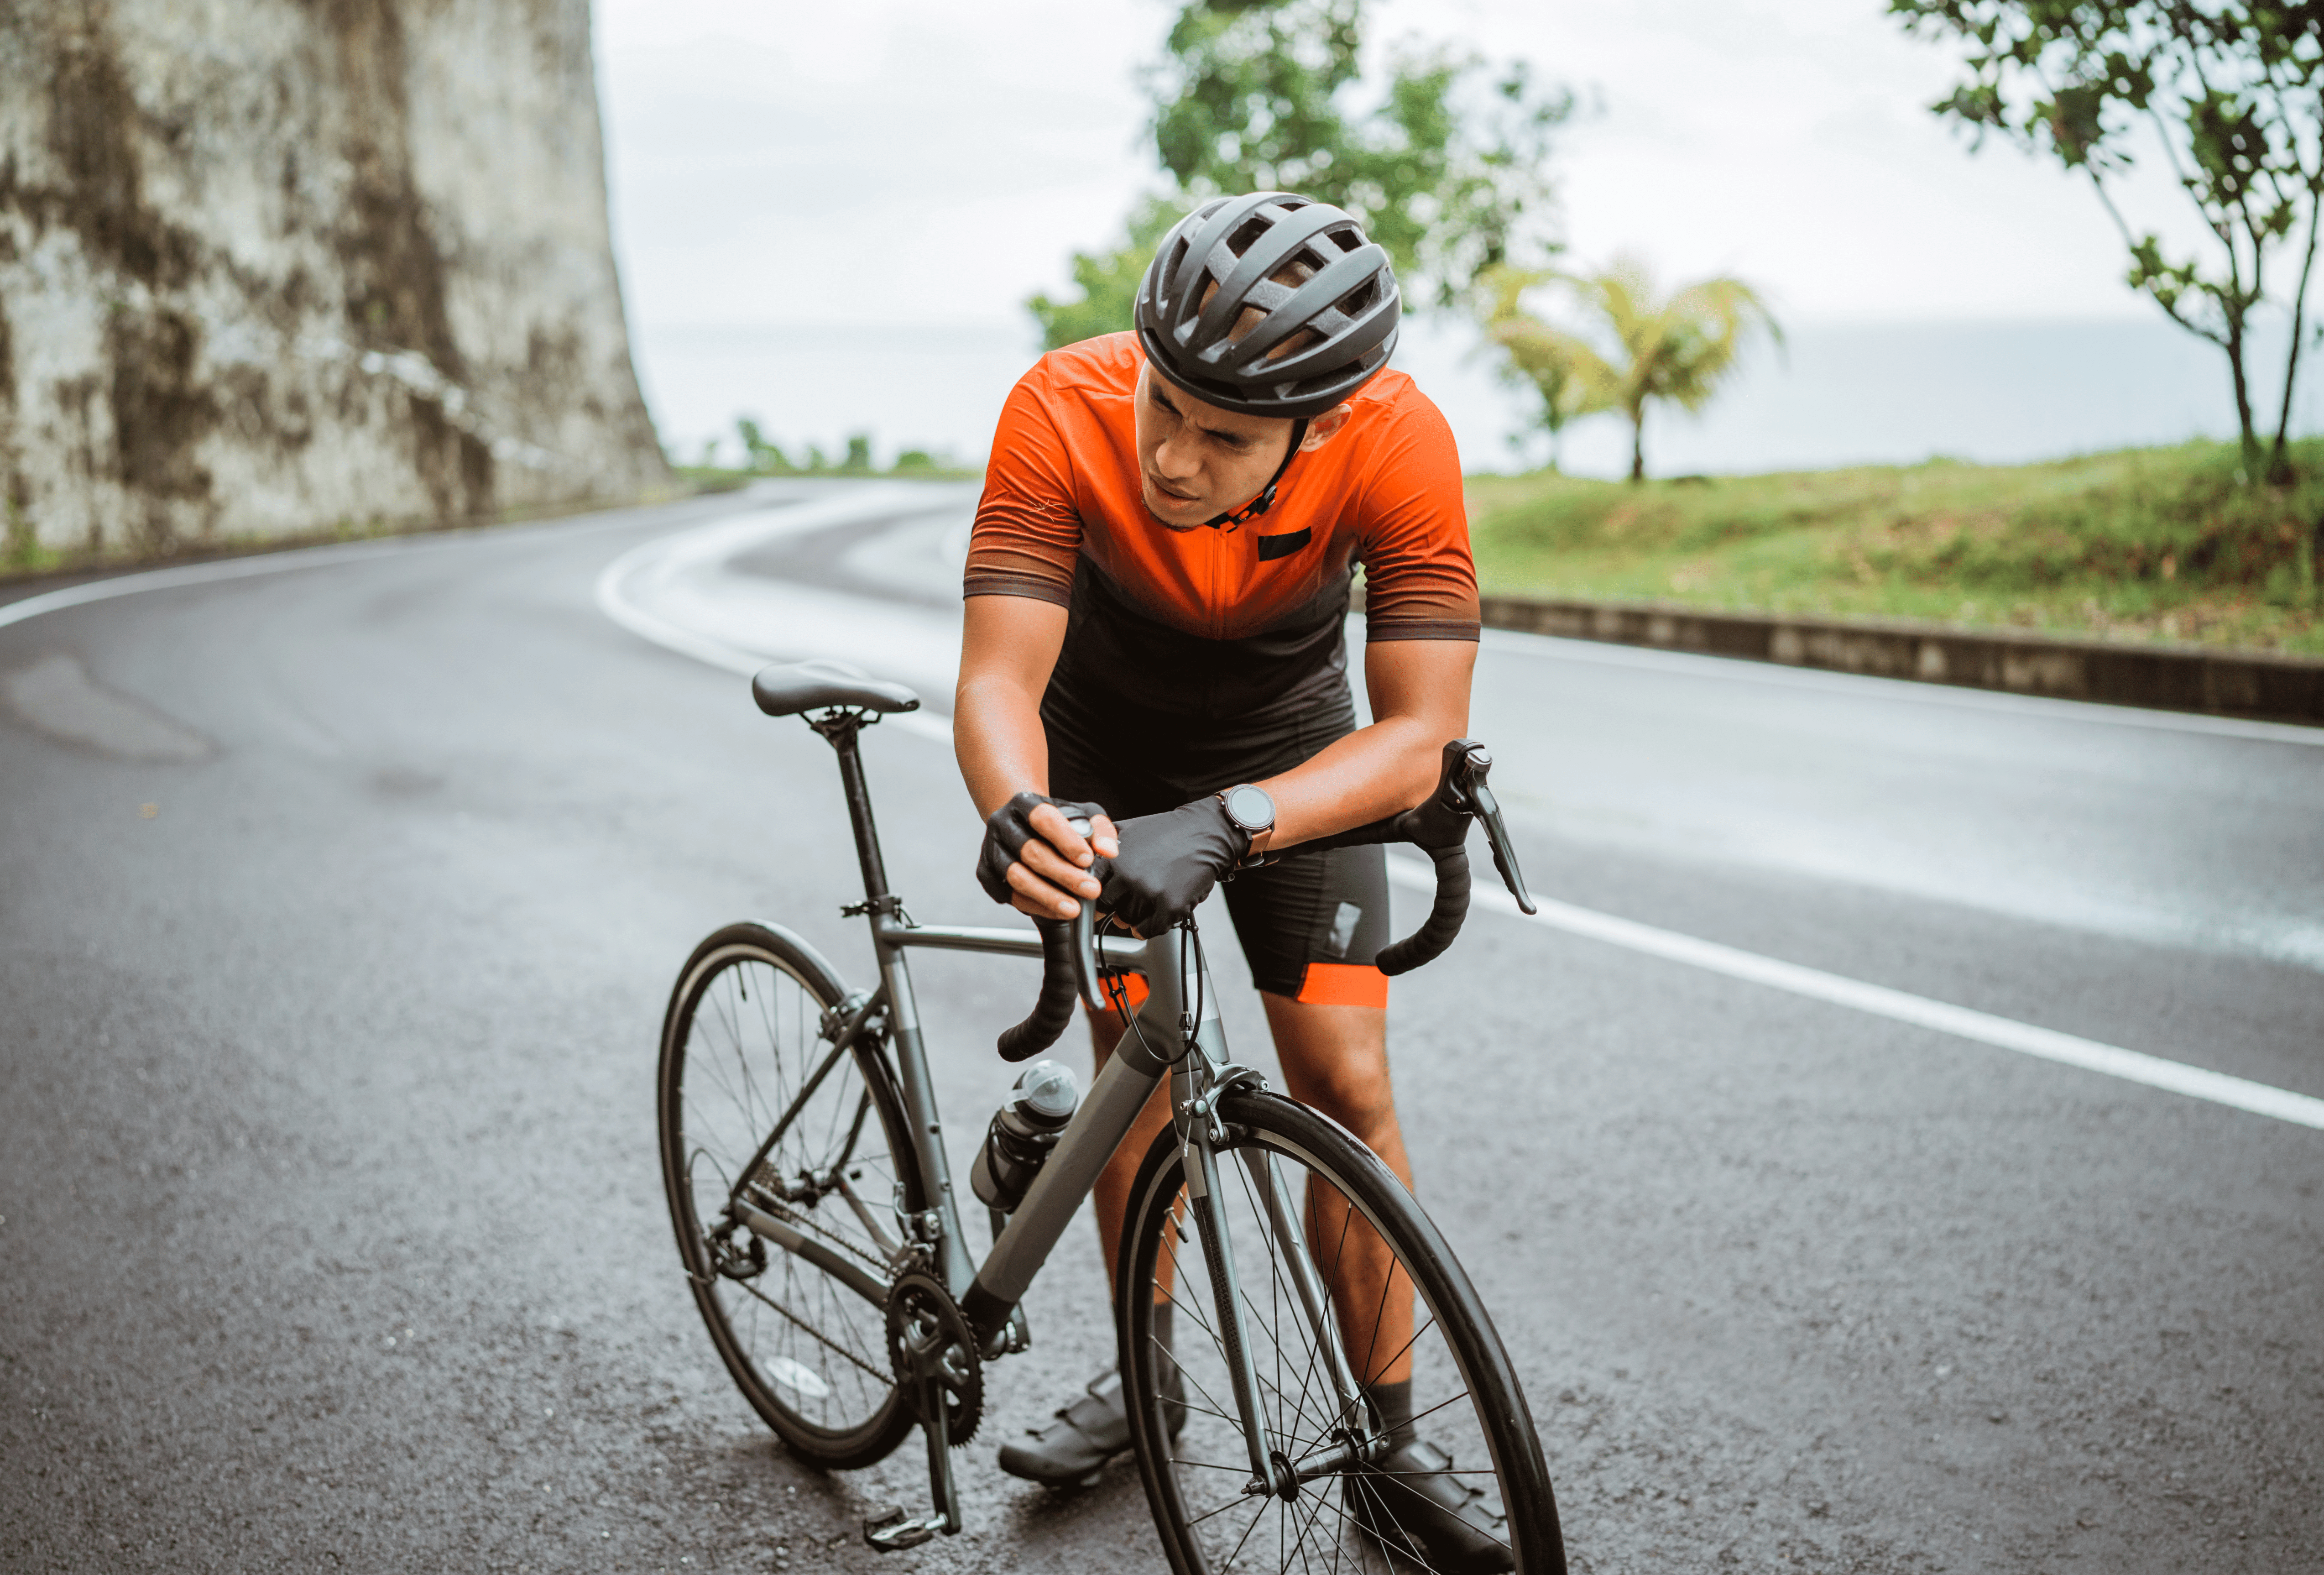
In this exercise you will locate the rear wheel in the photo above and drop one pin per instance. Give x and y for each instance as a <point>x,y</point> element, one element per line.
<point>1465,1398</point>
<point>789,1262</point>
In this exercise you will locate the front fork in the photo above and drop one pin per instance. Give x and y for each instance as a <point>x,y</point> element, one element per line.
<point>1200,1081</point>
<point>1357,1438</point>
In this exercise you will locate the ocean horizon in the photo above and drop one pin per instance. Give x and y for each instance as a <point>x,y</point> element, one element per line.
<point>1832,394</point>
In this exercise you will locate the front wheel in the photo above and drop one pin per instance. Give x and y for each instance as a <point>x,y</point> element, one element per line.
<point>785,1162</point>
<point>1329,1251</point>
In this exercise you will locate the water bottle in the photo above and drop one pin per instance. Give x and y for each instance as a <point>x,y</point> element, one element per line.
<point>1022,1133</point>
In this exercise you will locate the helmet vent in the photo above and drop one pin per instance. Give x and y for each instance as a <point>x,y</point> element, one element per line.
<point>1269,304</point>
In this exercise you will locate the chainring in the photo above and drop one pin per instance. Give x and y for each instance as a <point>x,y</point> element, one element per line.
<point>925,1324</point>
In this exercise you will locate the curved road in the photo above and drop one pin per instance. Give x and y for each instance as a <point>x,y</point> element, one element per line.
<point>337,906</point>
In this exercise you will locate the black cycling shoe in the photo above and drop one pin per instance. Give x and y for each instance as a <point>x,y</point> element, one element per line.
<point>1410,1502</point>
<point>1072,1451</point>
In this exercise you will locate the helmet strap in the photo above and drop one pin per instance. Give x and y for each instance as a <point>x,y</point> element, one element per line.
<point>1266,499</point>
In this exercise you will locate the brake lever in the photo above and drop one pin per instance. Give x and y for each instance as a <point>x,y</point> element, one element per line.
<point>1082,932</point>
<point>1476,765</point>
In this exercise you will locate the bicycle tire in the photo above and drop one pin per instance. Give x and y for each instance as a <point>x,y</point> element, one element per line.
<point>1194,1484</point>
<point>810,1355</point>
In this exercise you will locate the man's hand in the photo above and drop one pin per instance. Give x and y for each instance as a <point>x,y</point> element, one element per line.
<point>1169,861</point>
<point>1036,862</point>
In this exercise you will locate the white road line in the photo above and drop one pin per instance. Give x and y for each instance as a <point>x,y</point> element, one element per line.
<point>96,591</point>
<point>2044,708</point>
<point>616,602</point>
<point>293,558</point>
<point>1877,1000</point>
<point>1898,1005</point>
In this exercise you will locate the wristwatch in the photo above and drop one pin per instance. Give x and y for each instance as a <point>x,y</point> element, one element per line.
<point>1250,808</point>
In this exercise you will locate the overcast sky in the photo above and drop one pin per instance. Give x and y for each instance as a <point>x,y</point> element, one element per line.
<point>905,160</point>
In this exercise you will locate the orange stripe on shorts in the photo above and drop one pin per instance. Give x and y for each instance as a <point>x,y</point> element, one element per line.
<point>1343,984</point>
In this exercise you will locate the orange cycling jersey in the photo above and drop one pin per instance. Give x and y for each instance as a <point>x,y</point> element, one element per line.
<point>1062,503</point>
<point>1193,660</point>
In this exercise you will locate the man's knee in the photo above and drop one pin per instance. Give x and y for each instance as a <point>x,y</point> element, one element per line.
<point>1335,1057</point>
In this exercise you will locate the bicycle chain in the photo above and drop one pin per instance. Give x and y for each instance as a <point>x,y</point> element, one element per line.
<point>793,1215</point>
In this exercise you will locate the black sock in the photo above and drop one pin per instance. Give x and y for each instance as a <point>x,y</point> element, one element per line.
<point>1394,1403</point>
<point>1162,1311</point>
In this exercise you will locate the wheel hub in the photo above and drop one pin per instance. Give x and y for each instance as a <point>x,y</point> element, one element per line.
<point>733,1261</point>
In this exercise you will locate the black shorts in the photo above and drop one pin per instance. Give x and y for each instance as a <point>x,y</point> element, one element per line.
<point>1310,925</point>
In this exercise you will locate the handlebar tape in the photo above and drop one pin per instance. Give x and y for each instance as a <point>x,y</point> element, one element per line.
<point>1055,1009</point>
<point>1451,906</point>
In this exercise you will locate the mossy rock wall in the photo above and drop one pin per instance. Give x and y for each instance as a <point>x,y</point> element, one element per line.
<point>267,268</point>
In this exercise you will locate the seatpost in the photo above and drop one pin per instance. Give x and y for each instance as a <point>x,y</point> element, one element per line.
<point>840,728</point>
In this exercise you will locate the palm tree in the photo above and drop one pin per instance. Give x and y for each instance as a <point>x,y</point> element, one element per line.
<point>1678,348</point>
<point>1533,356</point>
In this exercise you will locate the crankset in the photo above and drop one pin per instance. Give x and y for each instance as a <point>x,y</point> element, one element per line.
<point>933,1354</point>
<point>933,1349</point>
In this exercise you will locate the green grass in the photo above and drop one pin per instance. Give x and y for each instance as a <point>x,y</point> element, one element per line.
<point>2143,543</point>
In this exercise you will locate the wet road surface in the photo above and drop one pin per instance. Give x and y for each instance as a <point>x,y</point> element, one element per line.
<point>339,907</point>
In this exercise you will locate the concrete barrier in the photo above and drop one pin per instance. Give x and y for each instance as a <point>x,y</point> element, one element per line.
<point>2174,676</point>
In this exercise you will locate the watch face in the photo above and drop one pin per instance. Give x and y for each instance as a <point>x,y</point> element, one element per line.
<point>1250,807</point>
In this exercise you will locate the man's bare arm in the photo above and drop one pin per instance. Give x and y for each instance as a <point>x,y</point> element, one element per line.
<point>1419,692</point>
<point>1009,646</point>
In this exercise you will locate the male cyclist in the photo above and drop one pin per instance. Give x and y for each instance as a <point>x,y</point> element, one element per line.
<point>1157,588</point>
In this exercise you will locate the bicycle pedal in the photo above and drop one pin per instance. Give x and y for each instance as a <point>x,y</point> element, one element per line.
<point>888,1529</point>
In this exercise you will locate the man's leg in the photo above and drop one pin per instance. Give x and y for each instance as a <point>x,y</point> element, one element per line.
<point>1335,1059</point>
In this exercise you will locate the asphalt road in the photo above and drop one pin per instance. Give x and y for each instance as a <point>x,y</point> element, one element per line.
<point>331,1234</point>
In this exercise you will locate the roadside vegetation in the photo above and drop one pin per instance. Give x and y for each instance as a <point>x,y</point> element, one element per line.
<point>911,465</point>
<point>762,457</point>
<point>1443,157</point>
<point>2230,93</point>
<point>2142,543</point>
<point>1632,345</point>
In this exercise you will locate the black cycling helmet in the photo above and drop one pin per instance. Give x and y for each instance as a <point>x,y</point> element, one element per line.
<point>1348,301</point>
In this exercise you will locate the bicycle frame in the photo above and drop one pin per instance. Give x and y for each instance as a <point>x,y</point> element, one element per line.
<point>988,1292</point>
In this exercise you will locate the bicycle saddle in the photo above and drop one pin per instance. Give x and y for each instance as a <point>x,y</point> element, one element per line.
<point>789,688</point>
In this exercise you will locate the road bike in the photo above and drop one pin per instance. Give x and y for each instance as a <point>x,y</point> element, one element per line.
<point>804,1158</point>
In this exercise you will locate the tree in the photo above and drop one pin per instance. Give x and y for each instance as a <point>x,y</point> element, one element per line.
<point>2233,96</point>
<point>1444,170</point>
<point>759,451</point>
<point>1539,360</point>
<point>1678,348</point>
<point>1108,281</point>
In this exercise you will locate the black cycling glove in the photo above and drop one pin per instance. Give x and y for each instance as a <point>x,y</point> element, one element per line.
<point>1169,861</point>
<point>1007,831</point>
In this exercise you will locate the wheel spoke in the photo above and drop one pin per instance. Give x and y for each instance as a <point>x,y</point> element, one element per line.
<point>809,1353</point>
<point>815,1334</point>
<point>1373,1254</point>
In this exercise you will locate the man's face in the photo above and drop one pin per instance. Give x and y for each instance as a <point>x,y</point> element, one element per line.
<point>1196,461</point>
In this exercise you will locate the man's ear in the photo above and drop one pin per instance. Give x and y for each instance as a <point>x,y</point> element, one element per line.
<point>1324,428</point>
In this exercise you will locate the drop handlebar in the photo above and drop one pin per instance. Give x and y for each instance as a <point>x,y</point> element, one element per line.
<point>1438,826</point>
